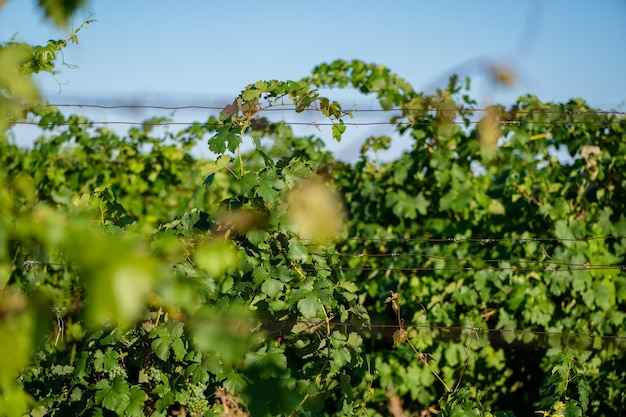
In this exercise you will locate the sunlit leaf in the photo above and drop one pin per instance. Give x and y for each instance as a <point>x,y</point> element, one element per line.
<point>315,211</point>
<point>338,129</point>
<point>216,256</point>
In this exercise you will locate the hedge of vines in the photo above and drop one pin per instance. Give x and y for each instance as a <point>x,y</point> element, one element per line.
<point>481,272</point>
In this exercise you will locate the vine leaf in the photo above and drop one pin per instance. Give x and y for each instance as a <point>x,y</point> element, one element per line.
<point>167,337</point>
<point>316,212</point>
<point>309,307</point>
<point>60,11</point>
<point>269,186</point>
<point>224,139</point>
<point>272,287</point>
<point>268,359</point>
<point>137,398</point>
<point>338,130</point>
<point>496,207</point>
<point>115,397</point>
<point>297,251</point>
<point>213,166</point>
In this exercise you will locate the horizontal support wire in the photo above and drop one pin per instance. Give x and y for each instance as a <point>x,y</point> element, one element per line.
<point>458,330</point>
<point>503,118</point>
<point>483,239</point>
<point>30,264</point>
<point>315,124</point>
<point>467,269</point>
<point>463,260</point>
<point>506,338</point>
<point>281,108</point>
<point>282,326</point>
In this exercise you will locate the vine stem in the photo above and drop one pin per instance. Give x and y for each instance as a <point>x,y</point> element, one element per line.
<point>244,126</point>
<point>232,172</point>
<point>240,161</point>
<point>425,362</point>
<point>395,304</point>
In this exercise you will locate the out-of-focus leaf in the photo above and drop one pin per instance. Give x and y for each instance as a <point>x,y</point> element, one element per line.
<point>60,11</point>
<point>315,211</point>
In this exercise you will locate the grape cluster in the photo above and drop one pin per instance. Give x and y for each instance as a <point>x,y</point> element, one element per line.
<point>197,404</point>
<point>117,371</point>
<point>154,374</point>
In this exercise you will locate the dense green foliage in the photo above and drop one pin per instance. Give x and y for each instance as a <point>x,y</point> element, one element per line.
<point>136,279</point>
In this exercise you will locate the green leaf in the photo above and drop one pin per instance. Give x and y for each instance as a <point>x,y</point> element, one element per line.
<point>338,339</point>
<point>309,307</point>
<point>216,256</point>
<point>136,402</point>
<point>354,341</point>
<point>421,204</point>
<point>60,11</point>
<point>261,85</point>
<point>341,357</point>
<point>114,397</point>
<point>269,162</point>
<point>349,286</point>
<point>224,139</point>
<point>268,186</point>
<point>272,287</point>
<point>401,204</point>
<point>260,275</point>
<point>251,94</point>
<point>106,361</point>
<point>274,357</point>
<point>496,207</point>
<point>572,409</point>
<point>178,346</point>
<point>76,394</point>
<point>346,387</point>
<point>282,272</point>
<point>268,359</point>
<point>21,85</point>
<point>360,317</point>
<point>116,291</point>
<point>267,192</point>
<point>248,182</point>
<point>583,392</point>
<point>235,382</point>
<point>604,294</point>
<point>297,251</point>
<point>338,129</point>
<point>212,167</point>
<point>161,347</point>
<point>224,332</point>
<point>208,180</point>
<point>168,337</point>
<point>18,328</point>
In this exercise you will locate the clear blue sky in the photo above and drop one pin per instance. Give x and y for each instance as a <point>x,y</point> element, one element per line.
<point>207,51</point>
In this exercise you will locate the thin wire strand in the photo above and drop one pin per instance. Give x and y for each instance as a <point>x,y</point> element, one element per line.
<point>279,325</point>
<point>34,264</point>
<point>287,107</point>
<point>313,123</point>
<point>497,331</point>
<point>466,269</point>
<point>574,267</point>
<point>484,239</point>
<point>461,260</point>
